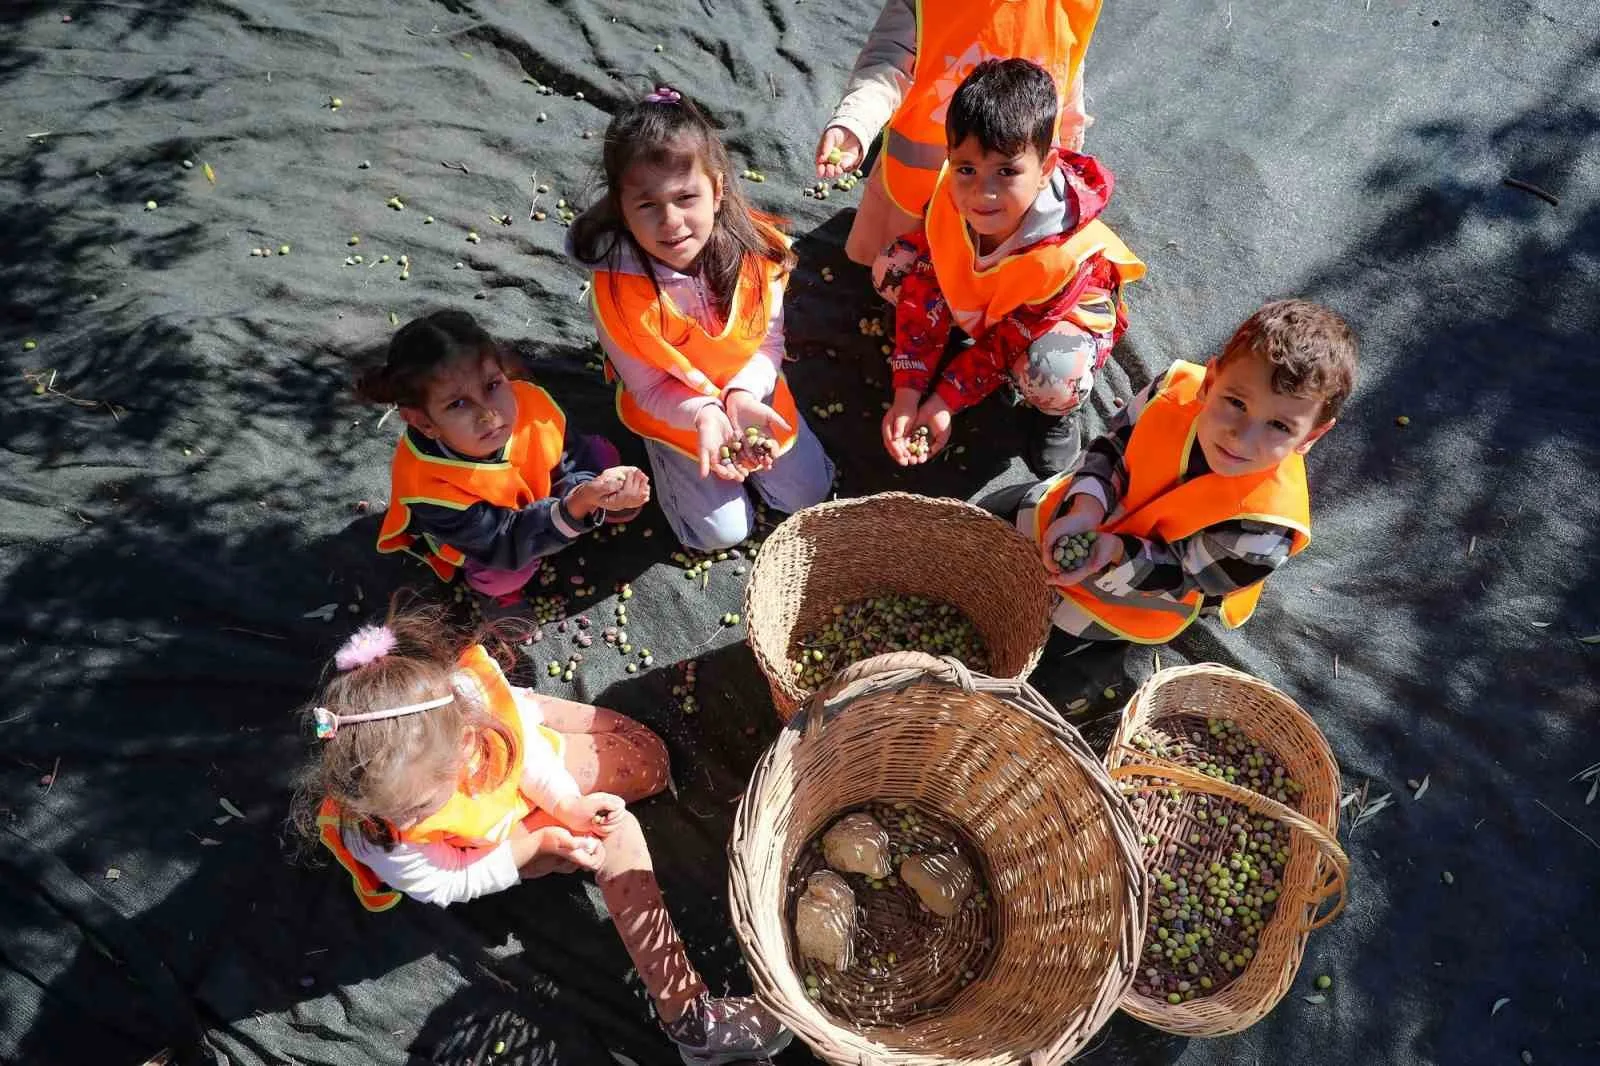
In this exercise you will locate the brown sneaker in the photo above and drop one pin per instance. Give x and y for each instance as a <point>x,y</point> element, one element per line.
<point>730,1029</point>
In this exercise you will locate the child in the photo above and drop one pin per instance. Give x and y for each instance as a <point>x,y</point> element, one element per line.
<point>1198,490</point>
<point>442,781</point>
<point>486,476</point>
<point>687,295</point>
<point>916,55</point>
<point>1010,254</point>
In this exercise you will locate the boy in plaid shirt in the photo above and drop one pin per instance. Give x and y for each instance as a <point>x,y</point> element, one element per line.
<point>1197,491</point>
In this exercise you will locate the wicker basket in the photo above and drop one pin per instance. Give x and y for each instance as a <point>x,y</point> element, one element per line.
<point>1055,840</point>
<point>895,542</point>
<point>1317,869</point>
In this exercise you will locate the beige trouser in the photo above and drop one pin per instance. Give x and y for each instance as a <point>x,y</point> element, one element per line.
<point>879,221</point>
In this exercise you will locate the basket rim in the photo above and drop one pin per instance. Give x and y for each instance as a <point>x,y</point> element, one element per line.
<point>1182,1018</point>
<point>779,678</point>
<point>899,671</point>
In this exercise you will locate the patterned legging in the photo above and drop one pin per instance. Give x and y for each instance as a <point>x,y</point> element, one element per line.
<point>609,752</point>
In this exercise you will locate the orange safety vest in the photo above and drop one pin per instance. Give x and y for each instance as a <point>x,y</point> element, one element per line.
<point>979,299</point>
<point>631,311</point>
<point>954,36</point>
<point>521,476</point>
<point>1157,504</point>
<point>468,819</point>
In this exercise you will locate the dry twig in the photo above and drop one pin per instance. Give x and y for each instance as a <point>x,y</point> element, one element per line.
<point>44,382</point>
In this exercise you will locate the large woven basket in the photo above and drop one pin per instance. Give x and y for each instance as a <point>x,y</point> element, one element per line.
<point>1053,835</point>
<point>837,553</point>
<point>1313,883</point>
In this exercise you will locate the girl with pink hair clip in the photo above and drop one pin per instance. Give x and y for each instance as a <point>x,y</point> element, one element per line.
<point>440,780</point>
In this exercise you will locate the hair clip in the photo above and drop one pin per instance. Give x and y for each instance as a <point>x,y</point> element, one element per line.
<point>664,94</point>
<point>327,722</point>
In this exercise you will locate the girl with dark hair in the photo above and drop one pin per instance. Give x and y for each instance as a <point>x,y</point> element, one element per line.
<point>687,296</point>
<point>486,477</point>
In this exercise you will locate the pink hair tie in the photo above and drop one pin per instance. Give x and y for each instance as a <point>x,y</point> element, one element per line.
<point>664,94</point>
<point>366,645</point>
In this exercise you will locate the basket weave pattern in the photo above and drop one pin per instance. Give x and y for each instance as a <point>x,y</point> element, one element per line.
<point>840,552</point>
<point>1175,699</point>
<point>1056,841</point>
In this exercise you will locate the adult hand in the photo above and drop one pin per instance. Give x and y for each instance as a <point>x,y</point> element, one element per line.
<point>935,414</point>
<point>897,424</point>
<point>711,425</point>
<point>840,140</point>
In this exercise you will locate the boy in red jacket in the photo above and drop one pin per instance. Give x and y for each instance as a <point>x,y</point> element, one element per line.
<point>1011,254</point>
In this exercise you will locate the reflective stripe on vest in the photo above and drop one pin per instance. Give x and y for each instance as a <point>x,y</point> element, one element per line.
<point>518,479</point>
<point>1157,505</point>
<point>953,37</point>
<point>979,299</point>
<point>466,820</point>
<point>651,328</point>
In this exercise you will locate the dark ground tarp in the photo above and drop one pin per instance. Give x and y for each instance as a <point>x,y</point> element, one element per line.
<point>158,561</point>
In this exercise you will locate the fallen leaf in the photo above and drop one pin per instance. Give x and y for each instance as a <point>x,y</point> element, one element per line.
<point>323,613</point>
<point>1316,999</point>
<point>113,874</point>
<point>1540,625</point>
<point>1501,1002</point>
<point>208,842</point>
<point>222,819</point>
<point>1422,788</point>
<point>228,806</point>
<point>1594,788</point>
<point>394,319</point>
<point>211,175</point>
<point>1077,705</point>
<point>1593,638</point>
<point>621,1058</point>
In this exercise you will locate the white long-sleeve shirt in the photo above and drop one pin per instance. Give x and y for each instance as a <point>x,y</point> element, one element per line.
<point>444,874</point>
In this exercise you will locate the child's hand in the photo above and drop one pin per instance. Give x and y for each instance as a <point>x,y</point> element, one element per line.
<point>557,844</point>
<point>838,152</point>
<point>711,425</point>
<point>595,814</point>
<point>587,497</point>
<point>897,424</point>
<point>624,487</point>
<point>1083,513</point>
<point>744,411</point>
<point>935,414</point>
<point>1106,551</point>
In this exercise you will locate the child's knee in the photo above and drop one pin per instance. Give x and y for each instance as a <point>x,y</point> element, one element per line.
<point>1056,374</point>
<point>651,751</point>
<point>722,529</point>
<point>890,267</point>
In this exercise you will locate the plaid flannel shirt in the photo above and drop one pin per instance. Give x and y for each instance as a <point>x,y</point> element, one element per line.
<point>1216,560</point>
